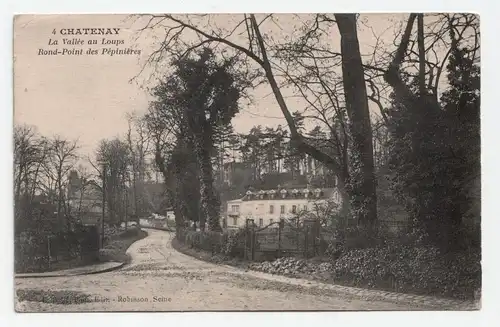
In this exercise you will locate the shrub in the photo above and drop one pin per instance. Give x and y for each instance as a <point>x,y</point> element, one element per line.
<point>234,245</point>
<point>130,232</point>
<point>421,270</point>
<point>33,248</point>
<point>115,248</point>
<point>228,243</point>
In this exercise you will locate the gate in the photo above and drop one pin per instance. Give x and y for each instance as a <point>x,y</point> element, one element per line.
<point>281,239</point>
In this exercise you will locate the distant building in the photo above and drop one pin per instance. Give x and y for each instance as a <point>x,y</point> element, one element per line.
<point>268,206</point>
<point>170,215</point>
<point>85,199</point>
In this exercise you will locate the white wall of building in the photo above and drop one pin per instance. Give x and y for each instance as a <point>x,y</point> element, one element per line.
<point>170,215</point>
<point>263,214</point>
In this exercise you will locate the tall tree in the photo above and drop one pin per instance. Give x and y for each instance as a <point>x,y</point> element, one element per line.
<point>114,158</point>
<point>435,140</point>
<point>139,147</point>
<point>63,159</point>
<point>363,182</point>
<point>204,92</point>
<point>30,159</point>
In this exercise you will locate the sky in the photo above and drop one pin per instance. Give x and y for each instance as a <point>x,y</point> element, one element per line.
<point>87,97</point>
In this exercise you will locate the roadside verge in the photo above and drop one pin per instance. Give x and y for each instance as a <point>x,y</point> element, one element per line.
<point>423,301</point>
<point>85,270</point>
<point>112,257</point>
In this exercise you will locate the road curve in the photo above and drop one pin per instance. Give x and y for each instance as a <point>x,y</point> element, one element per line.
<point>161,279</point>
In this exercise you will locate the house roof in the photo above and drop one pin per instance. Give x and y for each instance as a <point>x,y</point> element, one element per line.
<point>289,194</point>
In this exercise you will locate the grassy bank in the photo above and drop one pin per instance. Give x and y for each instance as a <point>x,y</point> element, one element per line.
<point>116,246</point>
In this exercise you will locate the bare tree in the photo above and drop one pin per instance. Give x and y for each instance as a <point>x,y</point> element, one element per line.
<point>139,143</point>
<point>257,50</point>
<point>63,156</point>
<point>29,154</point>
<point>114,157</point>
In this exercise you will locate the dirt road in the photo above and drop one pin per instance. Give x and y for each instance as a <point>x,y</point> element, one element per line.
<point>162,279</point>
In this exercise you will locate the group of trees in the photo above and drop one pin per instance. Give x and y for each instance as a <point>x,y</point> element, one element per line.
<point>426,138</point>
<point>265,152</point>
<point>123,169</point>
<point>41,166</point>
<point>189,117</point>
<point>50,173</point>
<point>435,143</point>
<point>421,149</point>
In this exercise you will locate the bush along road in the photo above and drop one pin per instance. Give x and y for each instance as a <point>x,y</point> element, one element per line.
<point>387,265</point>
<point>159,278</point>
<point>116,245</point>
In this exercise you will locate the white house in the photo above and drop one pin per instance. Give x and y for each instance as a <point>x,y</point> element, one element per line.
<point>170,215</point>
<point>268,206</point>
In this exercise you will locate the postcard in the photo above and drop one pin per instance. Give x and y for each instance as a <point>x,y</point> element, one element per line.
<point>247,162</point>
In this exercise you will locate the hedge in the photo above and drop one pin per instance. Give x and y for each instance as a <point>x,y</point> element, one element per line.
<point>397,265</point>
<point>410,269</point>
<point>229,243</point>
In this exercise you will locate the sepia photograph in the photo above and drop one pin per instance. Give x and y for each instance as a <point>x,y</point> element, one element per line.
<point>247,162</point>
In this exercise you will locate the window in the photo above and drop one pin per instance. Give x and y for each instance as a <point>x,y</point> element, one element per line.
<point>235,208</point>
<point>305,207</point>
<point>282,209</point>
<point>294,209</point>
<point>271,209</point>
<point>235,221</point>
<point>261,222</point>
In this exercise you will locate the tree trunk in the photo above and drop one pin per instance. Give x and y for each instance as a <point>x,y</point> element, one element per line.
<point>173,184</point>
<point>345,206</point>
<point>363,186</point>
<point>59,197</point>
<point>210,206</point>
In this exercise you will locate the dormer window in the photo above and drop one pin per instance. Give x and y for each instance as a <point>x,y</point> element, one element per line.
<point>295,192</point>
<point>272,193</point>
<point>249,194</point>
<point>261,194</point>
<point>283,193</point>
<point>306,192</point>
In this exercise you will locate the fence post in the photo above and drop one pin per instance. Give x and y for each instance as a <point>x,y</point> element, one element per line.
<point>317,236</point>
<point>306,232</point>
<point>298,234</point>
<point>48,248</point>
<point>249,226</point>
<point>252,241</point>
<point>245,254</point>
<point>280,227</point>
<point>313,234</point>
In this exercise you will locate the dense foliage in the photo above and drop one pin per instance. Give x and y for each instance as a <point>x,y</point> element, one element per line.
<point>435,156</point>
<point>228,243</point>
<point>195,105</point>
<point>422,270</point>
<point>364,260</point>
